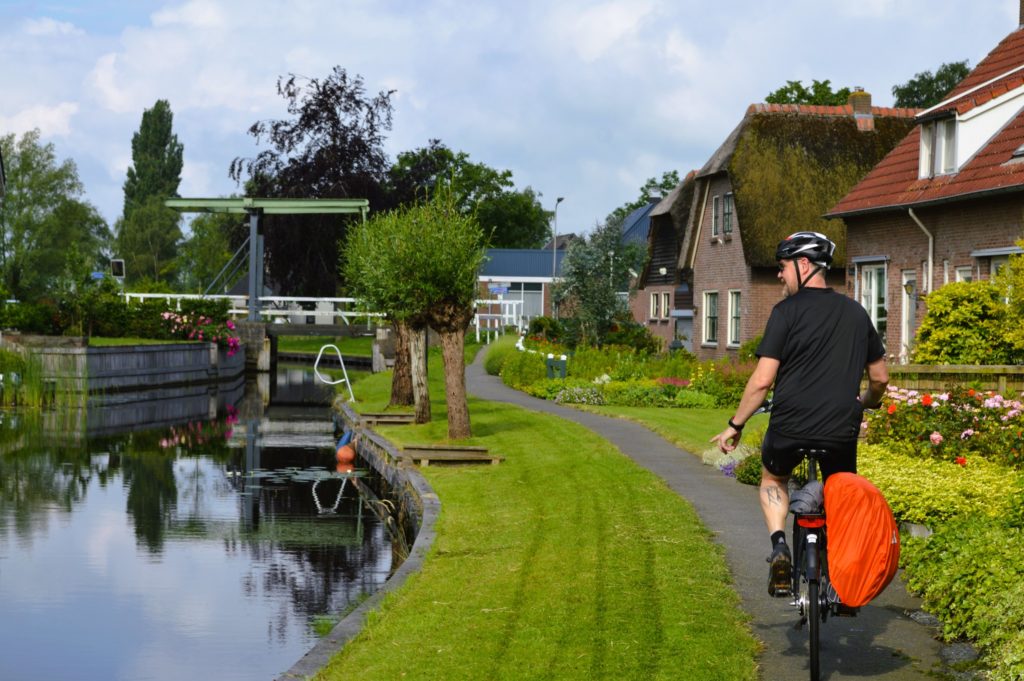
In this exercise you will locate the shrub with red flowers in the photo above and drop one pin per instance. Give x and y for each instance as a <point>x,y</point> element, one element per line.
<point>954,425</point>
<point>201,328</point>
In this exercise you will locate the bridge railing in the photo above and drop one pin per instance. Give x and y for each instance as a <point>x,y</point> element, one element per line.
<point>295,309</point>
<point>493,315</point>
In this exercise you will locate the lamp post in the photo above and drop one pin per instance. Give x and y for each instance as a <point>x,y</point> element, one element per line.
<point>554,238</point>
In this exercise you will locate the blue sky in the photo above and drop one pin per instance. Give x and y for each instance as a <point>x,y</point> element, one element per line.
<point>584,100</point>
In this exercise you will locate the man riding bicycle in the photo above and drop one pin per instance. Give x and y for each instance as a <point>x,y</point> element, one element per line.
<point>815,349</point>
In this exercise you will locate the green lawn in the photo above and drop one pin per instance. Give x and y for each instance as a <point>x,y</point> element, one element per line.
<point>361,345</point>
<point>690,429</point>
<point>103,342</point>
<point>566,561</point>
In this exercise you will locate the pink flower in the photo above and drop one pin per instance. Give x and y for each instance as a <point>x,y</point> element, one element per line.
<point>967,433</point>
<point>936,438</point>
<point>230,324</point>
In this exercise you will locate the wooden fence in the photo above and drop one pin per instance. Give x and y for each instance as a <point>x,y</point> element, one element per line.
<point>1006,380</point>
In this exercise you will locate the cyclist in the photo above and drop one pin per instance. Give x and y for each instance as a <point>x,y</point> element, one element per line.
<point>816,347</point>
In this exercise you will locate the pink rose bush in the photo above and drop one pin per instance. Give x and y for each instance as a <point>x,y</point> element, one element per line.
<point>201,328</point>
<point>952,425</point>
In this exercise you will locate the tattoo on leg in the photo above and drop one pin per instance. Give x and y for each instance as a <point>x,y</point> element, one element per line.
<point>774,495</point>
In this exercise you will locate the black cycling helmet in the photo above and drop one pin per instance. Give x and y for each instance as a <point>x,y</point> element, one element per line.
<point>814,246</point>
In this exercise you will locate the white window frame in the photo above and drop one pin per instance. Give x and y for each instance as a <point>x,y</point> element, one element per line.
<point>965,273</point>
<point>938,148</point>
<point>710,339</point>
<point>666,302</point>
<point>727,213</point>
<point>873,294</point>
<point>908,317</point>
<point>735,319</point>
<point>655,311</point>
<point>716,215</point>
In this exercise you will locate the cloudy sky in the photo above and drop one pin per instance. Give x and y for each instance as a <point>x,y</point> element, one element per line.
<point>579,99</point>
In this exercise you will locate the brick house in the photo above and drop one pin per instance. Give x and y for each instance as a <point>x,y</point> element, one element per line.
<point>778,171</point>
<point>947,204</point>
<point>661,302</point>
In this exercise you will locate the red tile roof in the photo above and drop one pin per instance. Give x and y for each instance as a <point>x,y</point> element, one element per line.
<point>894,182</point>
<point>998,66</point>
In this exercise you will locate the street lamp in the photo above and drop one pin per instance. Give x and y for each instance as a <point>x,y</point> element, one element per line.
<point>554,238</point>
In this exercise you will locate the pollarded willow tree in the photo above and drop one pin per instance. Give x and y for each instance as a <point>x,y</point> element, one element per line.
<point>421,263</point>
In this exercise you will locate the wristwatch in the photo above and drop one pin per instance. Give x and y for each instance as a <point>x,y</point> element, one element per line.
<point>735,426</point>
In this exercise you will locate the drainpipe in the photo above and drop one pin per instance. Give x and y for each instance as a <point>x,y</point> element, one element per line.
<point>700,221</point>
<point>931,248</point>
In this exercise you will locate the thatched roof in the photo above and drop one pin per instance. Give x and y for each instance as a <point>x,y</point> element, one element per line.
<point>789,164</point>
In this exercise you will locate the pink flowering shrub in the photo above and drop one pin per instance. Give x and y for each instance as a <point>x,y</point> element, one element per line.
<point>201,328</point>
<point>955,425</point>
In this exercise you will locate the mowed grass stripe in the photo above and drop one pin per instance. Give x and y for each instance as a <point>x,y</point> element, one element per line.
<point>567,561</point>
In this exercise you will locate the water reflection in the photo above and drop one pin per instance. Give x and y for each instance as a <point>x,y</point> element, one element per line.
<point>202,549</point>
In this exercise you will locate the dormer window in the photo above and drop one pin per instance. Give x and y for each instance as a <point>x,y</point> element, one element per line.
<point>938,148</point>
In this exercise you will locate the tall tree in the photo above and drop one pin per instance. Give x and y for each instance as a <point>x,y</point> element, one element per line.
<point>41,214</point>
<point>652,189</point>
<point>512,218</point>
<point>428,272</point>
<point>926,89</point>
<point>820,92</point>
<point>332,146</point>
<point>594,270</point>
<point>156,159</point>
<point>148,233</point>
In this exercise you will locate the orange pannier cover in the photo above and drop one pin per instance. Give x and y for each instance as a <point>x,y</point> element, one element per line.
<point>863,540</point>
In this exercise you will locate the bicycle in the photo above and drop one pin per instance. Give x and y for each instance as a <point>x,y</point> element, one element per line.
<point>810,586</point>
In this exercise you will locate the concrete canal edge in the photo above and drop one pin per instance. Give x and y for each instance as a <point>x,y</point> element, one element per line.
<point>416,495</point>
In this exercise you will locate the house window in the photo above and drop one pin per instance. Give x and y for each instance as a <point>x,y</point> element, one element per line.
<point>711,317</point>
<point>938,148</point>
<point>872,295</point>
<point>965,273</point>
<point>655,311</point>
<point>734,318</point>
<point>716,215</point>
<point>997,263</point>
<point>727,217</point>
<point>665,305</point>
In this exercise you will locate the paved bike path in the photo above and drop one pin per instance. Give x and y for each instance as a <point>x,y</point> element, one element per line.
<point>882,642</point>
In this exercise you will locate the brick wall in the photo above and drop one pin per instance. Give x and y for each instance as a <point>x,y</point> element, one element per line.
<point>958,229</point>
<point>663,326</point>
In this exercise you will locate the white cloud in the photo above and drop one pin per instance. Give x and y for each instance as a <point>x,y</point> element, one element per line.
<point>47,27</point>
<point>52,121</point>
<point>194,14</point>
<point>600,30</point>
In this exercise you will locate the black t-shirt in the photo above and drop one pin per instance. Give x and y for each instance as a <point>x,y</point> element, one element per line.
<point>823,341</point>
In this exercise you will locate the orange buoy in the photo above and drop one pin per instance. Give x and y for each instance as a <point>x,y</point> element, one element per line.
<point>344,468</point>
<point>345,454</point>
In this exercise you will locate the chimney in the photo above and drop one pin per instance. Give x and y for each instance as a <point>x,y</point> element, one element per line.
<point>860,102</point>
<point>1021,14</point>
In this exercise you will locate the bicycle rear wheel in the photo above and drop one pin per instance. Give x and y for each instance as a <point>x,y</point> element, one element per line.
<point>813,623</point>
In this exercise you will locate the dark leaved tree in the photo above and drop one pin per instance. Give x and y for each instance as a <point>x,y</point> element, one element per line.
<point>927,89</point>
<point>331,146</point>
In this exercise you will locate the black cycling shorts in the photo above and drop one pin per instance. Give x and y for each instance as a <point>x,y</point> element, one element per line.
<point>779,455</point>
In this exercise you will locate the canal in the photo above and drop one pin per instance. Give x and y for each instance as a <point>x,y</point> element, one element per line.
<point>215,546</point>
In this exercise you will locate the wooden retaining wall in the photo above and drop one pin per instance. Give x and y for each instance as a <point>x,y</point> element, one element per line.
<point>82,369</point>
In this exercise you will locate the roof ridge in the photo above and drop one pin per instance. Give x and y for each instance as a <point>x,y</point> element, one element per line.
<point>828,110</point>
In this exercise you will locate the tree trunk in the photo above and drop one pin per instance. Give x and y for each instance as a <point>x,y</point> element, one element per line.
<point>418,362</point>
<point>401,377</point>
<point>452,347</point>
